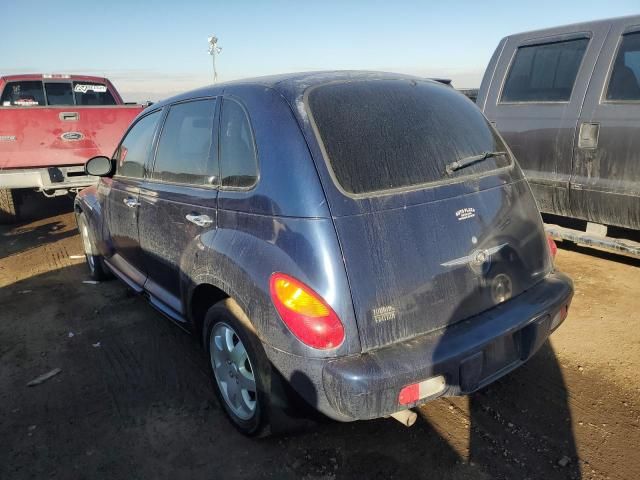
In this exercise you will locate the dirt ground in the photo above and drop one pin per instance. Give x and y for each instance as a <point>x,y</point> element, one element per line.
<point>133,399</point>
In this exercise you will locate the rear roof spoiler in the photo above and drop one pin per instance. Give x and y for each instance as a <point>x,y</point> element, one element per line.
<point>446,81</point>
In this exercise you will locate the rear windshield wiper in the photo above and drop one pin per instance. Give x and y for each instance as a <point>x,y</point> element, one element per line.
<point>466,161</point>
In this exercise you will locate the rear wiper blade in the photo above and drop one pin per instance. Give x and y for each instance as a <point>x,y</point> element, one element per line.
<point>466,161</point>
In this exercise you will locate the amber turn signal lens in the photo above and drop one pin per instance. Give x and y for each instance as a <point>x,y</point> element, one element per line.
<point>305,313</point>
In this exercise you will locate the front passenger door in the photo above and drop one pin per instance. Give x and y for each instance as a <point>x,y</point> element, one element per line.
<point>123,199</point>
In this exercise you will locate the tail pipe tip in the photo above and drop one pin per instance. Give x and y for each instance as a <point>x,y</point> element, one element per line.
<point>405,417</point>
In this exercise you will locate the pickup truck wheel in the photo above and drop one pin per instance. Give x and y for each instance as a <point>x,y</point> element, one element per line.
<point>97,268</point>
<point>241,372</point>
<point>9,206</point>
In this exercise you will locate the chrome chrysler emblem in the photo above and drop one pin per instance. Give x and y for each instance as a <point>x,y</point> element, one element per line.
<point>478,260</point>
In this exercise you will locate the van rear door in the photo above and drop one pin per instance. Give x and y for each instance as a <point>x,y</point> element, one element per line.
<point>425,245</point>
<point>534,100</point>
<point>605,186</point>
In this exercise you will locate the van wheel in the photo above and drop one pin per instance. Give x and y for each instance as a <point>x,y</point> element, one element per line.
<point>97,268</point>
<point>9,204</point>
<point>240,370</point>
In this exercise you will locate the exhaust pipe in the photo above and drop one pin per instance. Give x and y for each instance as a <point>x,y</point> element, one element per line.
<point>405,417</point>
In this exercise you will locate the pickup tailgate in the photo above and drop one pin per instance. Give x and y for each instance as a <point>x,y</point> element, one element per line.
<point>47,136</point>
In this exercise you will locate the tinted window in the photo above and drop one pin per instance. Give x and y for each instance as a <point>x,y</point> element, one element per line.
<point>23,94</point>
<point>185,144</point>
<point>238,162</point>
<point>544,73</point>
<point>89,93</point>
<point>625,77</point>
<point>134,150</point>
<point>59,93</point>
<point>386,134</point>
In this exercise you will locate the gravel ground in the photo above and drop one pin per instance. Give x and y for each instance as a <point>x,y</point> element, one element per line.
<point>133,399</point>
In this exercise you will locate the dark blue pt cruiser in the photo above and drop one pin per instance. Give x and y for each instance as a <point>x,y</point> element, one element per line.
<point>366,240</point>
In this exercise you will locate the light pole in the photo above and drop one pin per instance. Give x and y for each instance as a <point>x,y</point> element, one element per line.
<point>214,50</point>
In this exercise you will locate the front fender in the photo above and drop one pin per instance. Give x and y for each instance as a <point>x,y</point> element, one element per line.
<point>88,202</point>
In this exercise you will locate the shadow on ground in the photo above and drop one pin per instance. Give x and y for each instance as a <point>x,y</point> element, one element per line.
<point>33,232</point>
<point>134,400</point>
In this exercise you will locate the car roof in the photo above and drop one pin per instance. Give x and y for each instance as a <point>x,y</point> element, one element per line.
<point>578,27</point>
<point>292,85</point>
<point>51,77</point>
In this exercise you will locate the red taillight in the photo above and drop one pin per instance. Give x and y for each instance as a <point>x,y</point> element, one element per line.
<point>409,394</point>
<point>553,248</point>
<point>306,314</point>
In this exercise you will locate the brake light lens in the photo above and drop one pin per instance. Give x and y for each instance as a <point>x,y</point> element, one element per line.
<point>553,248</point>
<point>305,313</point>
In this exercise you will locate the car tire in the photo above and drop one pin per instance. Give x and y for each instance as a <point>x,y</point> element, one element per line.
<point>9,206</point>
<point>240,370</point>
<point>97,267</point>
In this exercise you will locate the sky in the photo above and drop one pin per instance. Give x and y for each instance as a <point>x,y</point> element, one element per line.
<point>155,49</point>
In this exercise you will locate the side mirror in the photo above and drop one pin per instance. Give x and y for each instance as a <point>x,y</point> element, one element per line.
<point>98,166</point>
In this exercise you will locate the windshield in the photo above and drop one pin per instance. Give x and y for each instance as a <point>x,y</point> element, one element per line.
<point>387,134</point>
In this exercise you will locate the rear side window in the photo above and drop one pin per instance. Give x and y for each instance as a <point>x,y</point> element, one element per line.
<point>624,83</point>
<point>387,134</point>
<point>544,73</point>
<point>23,94</point>
<point>238,159</point>
<point>89,93</point>
<point>184,148</point>
<point>59,93</point>
<point>134,150</point>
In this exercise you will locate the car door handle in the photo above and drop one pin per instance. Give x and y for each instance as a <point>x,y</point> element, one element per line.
<point>131,202</point>
<point>200,220</point>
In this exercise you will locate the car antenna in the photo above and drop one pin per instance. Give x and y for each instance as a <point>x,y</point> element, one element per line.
<point>214,50</point>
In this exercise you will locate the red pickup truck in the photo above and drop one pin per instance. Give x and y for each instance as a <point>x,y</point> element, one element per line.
<point>50,125</point>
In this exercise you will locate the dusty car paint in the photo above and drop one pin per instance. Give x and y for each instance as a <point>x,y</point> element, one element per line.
<point>451,276</point>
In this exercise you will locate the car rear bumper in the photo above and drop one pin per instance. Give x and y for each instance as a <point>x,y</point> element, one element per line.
<point>469,354</point>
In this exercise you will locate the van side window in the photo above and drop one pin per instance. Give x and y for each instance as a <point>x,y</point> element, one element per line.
<point>23,94</point>
<point>238,160</point>
<point>59,93</point>
<point>625,76</point>
<point>134,150</point>
<point>184,148</point>
<point>545,72</point>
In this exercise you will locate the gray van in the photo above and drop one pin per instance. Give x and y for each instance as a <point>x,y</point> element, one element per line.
<point>567,101</point>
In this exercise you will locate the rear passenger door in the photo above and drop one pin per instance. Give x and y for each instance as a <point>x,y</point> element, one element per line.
<point>179,201</point>
<point>537,105</point>
<point>605,187</point>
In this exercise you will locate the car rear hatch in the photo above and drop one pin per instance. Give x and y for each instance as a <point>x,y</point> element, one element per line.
<point>423,248</point>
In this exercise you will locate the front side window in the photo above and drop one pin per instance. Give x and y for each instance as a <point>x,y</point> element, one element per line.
<point>133,152</point>
<point>544,73</point>
<point>59,93</point>
<point>23,94</point>
<point>381,135</point>
<point>238,159</point>
<point>624,83</point>
<point>184,148</point>
<point>90,93</point>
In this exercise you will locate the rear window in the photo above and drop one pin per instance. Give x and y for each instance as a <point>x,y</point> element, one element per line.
<point>59,93</point>
<point>544,73</point>
<point>23,94</point>
<point>88,93</point>
<point>388,134</point>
